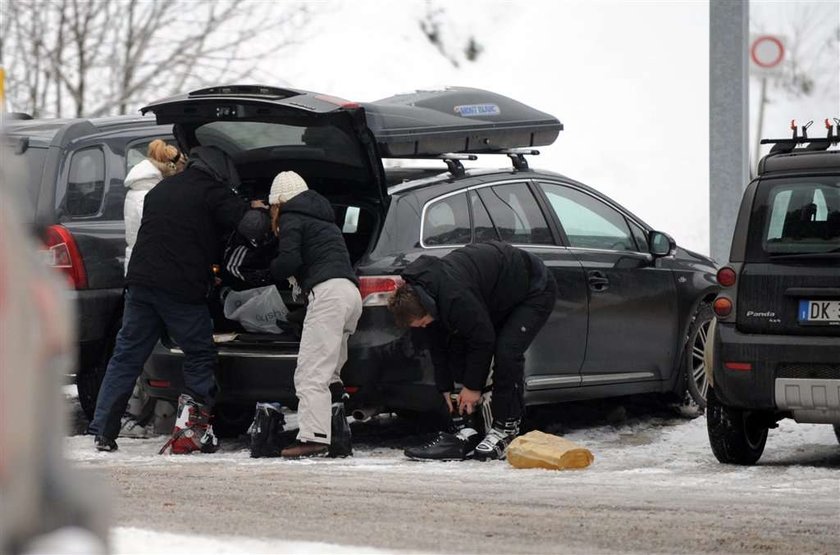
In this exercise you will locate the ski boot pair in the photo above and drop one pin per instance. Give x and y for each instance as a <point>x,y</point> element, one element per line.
<point>267,429</point>
<point>192,431</point>
<point>467,438</point>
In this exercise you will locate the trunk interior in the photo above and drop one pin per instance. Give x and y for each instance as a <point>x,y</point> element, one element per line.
<point>357,217</point>
<point>328,152</point>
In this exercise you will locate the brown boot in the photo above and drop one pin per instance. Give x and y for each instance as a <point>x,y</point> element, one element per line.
<point>301,449</point>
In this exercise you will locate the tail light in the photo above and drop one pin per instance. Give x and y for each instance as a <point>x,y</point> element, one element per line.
<point>376,289</point>
<point>726,276</point>
<point>62,253</point>
<point>722,307</point>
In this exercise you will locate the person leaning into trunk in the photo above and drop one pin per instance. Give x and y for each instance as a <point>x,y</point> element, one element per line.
<point>312,252</point>
<point>168,281</point>
<point>480,303</point>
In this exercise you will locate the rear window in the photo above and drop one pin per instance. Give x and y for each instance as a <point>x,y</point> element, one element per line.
<point>282,140</point>
<point>796,217</point>
<point>85,185</point>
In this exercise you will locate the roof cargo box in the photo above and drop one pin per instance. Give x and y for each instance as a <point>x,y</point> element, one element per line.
<point>456,119</point>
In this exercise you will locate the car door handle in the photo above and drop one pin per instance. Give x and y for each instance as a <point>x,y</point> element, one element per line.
<point>598,281</point>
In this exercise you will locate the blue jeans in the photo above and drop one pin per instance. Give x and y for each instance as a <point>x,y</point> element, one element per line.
<point>148,312</point>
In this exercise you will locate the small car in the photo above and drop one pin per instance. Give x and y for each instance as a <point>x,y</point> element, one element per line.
<point>633,308</point>
<point>72,173</point>
<point>776,347</point>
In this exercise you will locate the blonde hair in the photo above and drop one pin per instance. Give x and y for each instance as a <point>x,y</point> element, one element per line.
<point>166,158</point>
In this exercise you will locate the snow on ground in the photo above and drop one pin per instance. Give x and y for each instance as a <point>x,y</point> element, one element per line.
<point>651,451</point>
<point>137,541</point>
<point>647,461</point>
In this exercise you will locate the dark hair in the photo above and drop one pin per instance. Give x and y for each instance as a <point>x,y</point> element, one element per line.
<point>405,305</point>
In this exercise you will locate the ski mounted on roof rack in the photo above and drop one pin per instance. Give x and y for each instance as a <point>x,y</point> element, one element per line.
<point>453,159</point>
<point>786,146</point>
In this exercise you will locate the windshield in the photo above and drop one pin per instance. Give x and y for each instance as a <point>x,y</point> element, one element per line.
<point>794,217</point>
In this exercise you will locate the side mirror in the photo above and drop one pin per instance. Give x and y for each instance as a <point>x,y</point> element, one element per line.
<point>662,244</point>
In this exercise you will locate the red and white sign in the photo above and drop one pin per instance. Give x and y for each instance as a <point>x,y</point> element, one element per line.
<point>767,52</point>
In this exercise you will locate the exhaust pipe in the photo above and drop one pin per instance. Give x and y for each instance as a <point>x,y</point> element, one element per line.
<point>365,414</point>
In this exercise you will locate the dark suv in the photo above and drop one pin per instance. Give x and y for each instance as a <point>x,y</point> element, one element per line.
<point>776,351</point>
<point>632,310</point>
<point>73,171</point>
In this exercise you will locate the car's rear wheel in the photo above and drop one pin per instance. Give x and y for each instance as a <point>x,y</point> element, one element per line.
<point>693,362</point>
<point>736,436</point>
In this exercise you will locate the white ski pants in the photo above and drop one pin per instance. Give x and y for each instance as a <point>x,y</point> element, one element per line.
<point>334,309</point>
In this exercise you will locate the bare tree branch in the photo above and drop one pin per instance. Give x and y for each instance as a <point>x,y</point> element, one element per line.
<point>100,57</point>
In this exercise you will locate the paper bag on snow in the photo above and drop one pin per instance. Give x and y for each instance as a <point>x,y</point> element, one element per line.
<point>539,450</point>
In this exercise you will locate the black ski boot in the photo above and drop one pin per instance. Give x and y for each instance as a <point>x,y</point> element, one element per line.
<point>456,443</point>
<point>446,446</point>
<point>495,443</point>
<point>266,431</point>
<point>341,443</point>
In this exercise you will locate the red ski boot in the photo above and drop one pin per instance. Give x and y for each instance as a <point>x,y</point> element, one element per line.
<point>192,431</point>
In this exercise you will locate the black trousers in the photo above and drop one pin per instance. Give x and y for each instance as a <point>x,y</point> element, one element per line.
<point>512,340</point>
<point>148,312</point>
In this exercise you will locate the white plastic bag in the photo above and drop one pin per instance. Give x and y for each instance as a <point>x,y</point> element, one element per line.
<point>256,309</point>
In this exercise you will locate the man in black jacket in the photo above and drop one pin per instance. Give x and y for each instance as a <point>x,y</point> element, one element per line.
<point>168,280</point>
<point>485,302</point>
<point>312,252</point>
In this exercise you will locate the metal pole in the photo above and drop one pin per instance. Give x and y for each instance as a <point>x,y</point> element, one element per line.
<point>762,101</point>
<point>728,119</point>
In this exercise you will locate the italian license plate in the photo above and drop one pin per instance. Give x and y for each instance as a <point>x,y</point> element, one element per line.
<point>819,312</point>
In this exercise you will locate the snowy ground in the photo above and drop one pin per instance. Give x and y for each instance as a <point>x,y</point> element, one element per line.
<point>654,487</point>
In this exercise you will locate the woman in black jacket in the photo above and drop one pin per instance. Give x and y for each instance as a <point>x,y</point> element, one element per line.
<point>313,256</point>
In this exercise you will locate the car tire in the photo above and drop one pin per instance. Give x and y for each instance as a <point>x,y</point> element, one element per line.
<point>837,432</point>
<point>693,362</point>
<point>736,436</point>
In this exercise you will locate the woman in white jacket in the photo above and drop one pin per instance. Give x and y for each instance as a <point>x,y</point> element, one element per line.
<point>162,160</point>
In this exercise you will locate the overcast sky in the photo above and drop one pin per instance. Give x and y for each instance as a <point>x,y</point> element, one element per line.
<point>628,79</point>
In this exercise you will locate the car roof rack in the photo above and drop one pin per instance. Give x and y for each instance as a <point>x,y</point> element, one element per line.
<point>786,146</point>
<point>456,168</point>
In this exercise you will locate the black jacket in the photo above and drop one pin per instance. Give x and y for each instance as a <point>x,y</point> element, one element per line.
<point>310,246</point>
<point>249,252</point>
<point>184,218</point>
<point>474,289</point>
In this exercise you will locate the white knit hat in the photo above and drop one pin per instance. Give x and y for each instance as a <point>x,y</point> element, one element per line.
<point>285,187</point>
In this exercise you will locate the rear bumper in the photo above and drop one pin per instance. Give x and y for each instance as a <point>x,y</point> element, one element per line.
<point>385,368</point>
<point>793,374</point>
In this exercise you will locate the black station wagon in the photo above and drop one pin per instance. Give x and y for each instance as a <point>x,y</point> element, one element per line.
<point>632,309</point>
